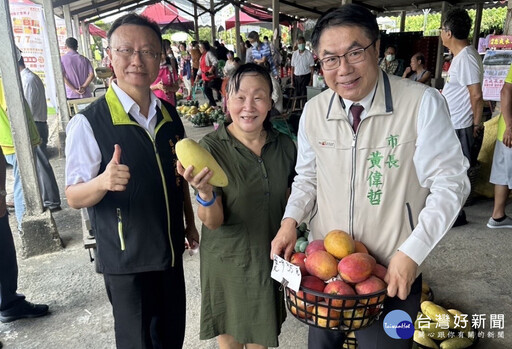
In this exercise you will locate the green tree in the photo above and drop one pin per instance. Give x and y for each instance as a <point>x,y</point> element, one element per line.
<point>492,18</point>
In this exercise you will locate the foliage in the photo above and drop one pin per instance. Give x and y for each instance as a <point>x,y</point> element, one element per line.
<point>492,18</point>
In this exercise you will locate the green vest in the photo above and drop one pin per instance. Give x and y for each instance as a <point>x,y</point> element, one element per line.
<point>5,126</point>
<point>141,228</point>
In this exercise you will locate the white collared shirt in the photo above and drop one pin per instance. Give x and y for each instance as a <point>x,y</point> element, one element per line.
<point>82,151</point>
<point>366,102</point>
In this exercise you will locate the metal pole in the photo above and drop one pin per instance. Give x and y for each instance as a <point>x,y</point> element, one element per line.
<point>55,59</point>
<point>212,17</point>
<point>239,42</point>
<point>478,22</point>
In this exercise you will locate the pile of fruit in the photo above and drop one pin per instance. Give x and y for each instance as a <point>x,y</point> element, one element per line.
<point>342,285</point>
<point>187,108</point>
<point>437,327</point>
<point>200,115</point>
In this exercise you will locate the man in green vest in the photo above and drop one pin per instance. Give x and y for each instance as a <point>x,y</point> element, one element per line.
<point>121,165</point>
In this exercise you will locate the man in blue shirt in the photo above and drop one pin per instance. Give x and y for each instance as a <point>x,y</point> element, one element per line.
<point>261,53</point>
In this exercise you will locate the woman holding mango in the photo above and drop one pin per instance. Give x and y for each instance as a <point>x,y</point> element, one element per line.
<point>241,305</point>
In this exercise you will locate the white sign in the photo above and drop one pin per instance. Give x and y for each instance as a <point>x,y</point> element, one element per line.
<point>286,273</point>
<point>496,65</point>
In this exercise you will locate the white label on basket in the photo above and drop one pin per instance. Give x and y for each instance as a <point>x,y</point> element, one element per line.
<point>286,273</point>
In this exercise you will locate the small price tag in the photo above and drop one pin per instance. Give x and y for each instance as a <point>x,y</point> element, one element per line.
<point>286,273</point>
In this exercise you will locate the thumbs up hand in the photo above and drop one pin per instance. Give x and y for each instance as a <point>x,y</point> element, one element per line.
<point>116,175</point>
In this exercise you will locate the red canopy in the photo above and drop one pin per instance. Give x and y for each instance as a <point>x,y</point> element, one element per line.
<point>244,19</point>
<point>166,16</point>
<point>253,14</point>
<point>94,30</point>
<point>97,31</point>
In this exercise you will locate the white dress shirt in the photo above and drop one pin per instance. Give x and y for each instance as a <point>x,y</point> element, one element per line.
<point>82,151</point>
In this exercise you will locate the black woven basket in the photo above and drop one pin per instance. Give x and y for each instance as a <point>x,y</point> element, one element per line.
<point>335,312</point>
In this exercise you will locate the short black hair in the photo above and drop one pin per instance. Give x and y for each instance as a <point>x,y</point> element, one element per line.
<point>206,45</point>
<point>346,16</point>
<point>253,69</point>
<point>72,43</point>
<point>135,19</point>
<point>265,38</point>
<point>458,22</point>
<point>301,38</point>
<point>254,35</point>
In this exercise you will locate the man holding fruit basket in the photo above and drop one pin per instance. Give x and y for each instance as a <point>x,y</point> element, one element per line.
<point>379,159</point>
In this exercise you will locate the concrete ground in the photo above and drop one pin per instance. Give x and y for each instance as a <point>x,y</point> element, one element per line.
<point>470,270</point>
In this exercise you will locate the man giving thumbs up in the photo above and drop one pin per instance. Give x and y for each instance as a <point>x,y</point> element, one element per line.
<point>121,165</point>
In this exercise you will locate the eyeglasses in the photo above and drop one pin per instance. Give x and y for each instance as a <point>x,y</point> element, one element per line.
<point>144,54</point>
<point>352,57</point>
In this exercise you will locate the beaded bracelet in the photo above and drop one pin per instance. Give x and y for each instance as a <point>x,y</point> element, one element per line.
<point>206,203</point>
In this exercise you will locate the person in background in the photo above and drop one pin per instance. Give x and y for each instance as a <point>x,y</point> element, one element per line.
<point>231,65</point>
<point>121,165</point>
<point>273,51</point>
<point>248,51</point>
<point>77,70</point>
<point>34,93</point>
<point>195,55</point>
<point>7,144</point>
<point>166,83</point>
<point>389,63</point>
<point>186,69</point>
<point>261,54</point>
<point>463,87</point>
<point>418,70</point>
<point>501,171</point>
<point>302,65</point>
<point>220,51</point>
<point>170,53</point>
<point>392,154</point>
<point>13,305</point>
<point>209,74</point>
<point>236,232</point>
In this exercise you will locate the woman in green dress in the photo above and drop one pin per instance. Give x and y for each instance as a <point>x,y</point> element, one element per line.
<point>240,304</point>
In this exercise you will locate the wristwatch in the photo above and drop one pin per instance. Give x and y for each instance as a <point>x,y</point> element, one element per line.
<point>3,192</point>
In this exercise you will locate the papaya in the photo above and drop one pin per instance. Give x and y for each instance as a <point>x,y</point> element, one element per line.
<point>189,152</point>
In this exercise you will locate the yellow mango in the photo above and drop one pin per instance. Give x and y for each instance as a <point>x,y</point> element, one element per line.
<point>189,152</point>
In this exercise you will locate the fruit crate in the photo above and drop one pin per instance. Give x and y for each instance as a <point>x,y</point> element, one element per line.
<point>335,312</point>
